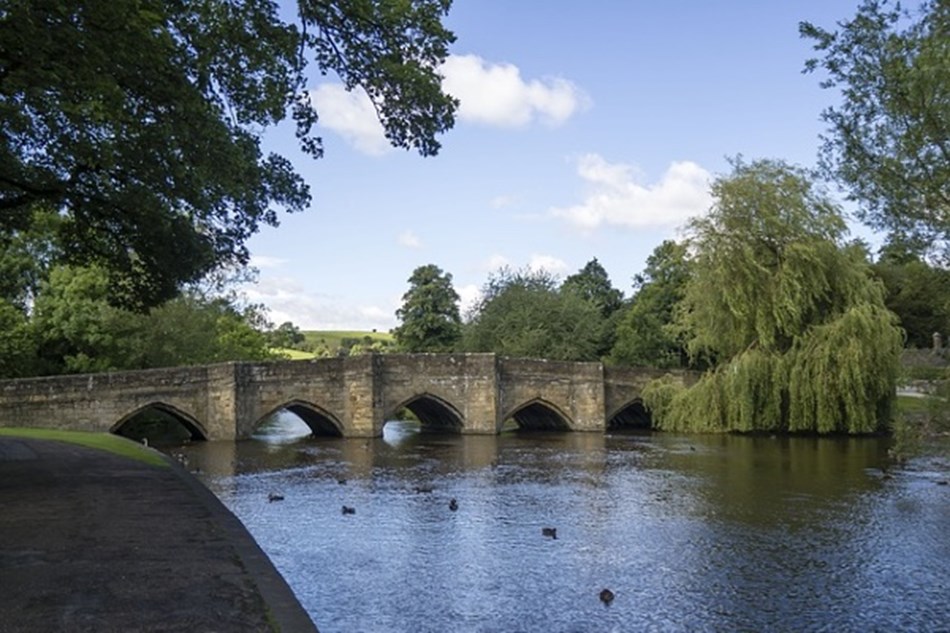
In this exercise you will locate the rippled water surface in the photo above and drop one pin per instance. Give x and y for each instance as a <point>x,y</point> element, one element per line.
<point>691,533</point>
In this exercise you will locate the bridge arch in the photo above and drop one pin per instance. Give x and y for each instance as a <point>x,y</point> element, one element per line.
<point>539,415</point>
<point>320,421</point>
<point>433,412</point>
<point>188,421</point>
<point>631,415</point>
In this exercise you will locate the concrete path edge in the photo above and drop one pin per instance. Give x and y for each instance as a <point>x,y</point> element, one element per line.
<point>286,612</point>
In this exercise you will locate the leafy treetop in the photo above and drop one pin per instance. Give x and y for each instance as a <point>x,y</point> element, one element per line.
<point>140,121</point>
<point>889,140</point>
<point>429,314</point>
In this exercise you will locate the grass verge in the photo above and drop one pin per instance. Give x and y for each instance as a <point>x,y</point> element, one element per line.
<point>101,441</point>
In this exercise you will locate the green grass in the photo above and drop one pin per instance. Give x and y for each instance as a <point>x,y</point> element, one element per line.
<point>293,354</point>
<point>912,404</point>
<point>101,441</point>
<point>334,338</point>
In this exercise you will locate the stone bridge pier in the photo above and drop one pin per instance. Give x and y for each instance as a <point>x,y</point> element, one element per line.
<point>346,397</point>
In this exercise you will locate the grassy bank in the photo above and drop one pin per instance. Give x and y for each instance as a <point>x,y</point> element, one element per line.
<point>921,425</point>
<point>101,441</point>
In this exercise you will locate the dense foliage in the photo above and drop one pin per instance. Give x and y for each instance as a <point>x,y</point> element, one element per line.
<point>73,328</point>
<point>645,332</point>
<point>592,284</point>
<point>889,140</point>
<point>523,313</point>
<point>917,292</point>
<point>429,315</point>
<point>792,316</point>
<point>140,121</point>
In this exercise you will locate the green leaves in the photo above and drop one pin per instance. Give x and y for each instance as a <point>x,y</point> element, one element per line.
<point>645,332</point>
<point>429,313</point>
<point>798,325</point>
<point>525,314</point>
<point>889,139</point>
<point>140,122</point>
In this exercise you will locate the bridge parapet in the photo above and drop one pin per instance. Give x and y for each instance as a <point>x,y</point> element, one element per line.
<point>201,395</point>
<point>350,397</point>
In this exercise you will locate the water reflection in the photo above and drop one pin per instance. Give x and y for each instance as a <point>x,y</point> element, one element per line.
<point>692,533</point>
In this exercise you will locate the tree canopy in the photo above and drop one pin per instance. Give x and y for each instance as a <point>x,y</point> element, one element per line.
<point>523,313</point>
<point>917,292</point>
<point>791,314</point>
<point>429,315</point>
<point>140,121</point>
<point>889,139</point>
<point>645,333</point>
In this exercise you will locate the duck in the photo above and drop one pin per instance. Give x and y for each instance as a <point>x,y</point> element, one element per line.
<point>453,505</point>
<point>549,531</point>
<point>349,510</point>
<point>606,596</point>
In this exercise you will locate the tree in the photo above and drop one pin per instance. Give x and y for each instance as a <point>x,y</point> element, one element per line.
<point>76,329</point>
<point>286,335</point>
<point>17,342</point>
<point>140,122</point>
<point>429,315</point>
<point>592,284</point>
<point>918,293</point>
<point>889,141</point>
<point>793,316</point>
<point>524,314</point>
<point>645,335</point>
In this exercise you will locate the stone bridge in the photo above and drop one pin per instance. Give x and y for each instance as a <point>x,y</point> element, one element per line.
<point>347,397</point>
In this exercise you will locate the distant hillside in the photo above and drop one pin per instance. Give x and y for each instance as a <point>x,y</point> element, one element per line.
<point>337,342</point>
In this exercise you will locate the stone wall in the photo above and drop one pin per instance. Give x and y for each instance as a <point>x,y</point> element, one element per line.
<point>352,397</point>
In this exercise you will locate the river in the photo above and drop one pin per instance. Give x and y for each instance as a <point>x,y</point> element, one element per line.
<point>690,533</point>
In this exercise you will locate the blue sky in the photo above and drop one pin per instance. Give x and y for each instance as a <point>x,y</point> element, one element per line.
<point>585,130</point>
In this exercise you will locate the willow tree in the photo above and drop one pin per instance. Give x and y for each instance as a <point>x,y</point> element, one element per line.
<point>792,315</point>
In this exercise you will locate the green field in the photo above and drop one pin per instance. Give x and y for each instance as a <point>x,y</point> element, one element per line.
<point>333,339</point>
<point>321,343</point>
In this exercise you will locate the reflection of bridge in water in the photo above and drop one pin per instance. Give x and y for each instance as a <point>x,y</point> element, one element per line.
<point>348,397</point>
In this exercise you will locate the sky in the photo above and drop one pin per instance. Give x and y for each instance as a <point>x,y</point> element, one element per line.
<point>585,130</point>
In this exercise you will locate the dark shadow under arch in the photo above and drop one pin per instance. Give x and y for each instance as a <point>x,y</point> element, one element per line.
<point>135,425</point>
<point>540,415</point>
<point>320,421</point>
<point>435,415</point>
<point>633,415</point>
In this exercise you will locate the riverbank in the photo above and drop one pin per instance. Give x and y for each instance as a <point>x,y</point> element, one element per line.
<point>91,541</point>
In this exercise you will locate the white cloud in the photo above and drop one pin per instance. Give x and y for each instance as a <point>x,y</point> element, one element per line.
<point>549,263</point>
<point>502,201</point>
<point>617,198</point>
<point>266,261</point>
<point>287,300</point>
<point>469,295</point>
<point>496,94</point>
<point>409,240</point>
<point>352,116</point>
<point>497,261</point>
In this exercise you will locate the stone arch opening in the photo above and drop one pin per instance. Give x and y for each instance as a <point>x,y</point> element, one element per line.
<point>539,415</point>
<point>160,424</point>
<point>435,415</point>
<point>633,415</point>
<point>318,420</point>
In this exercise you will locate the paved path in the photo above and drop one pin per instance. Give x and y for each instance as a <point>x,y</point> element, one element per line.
<point>95,542</point>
